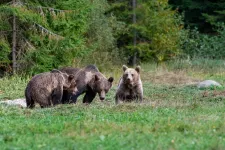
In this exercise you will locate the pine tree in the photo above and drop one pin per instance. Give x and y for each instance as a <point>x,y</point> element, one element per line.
<point>158,29</point>
<point>45,36</point>
<point>18,18</point>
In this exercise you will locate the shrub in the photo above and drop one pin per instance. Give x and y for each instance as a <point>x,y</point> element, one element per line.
<point>206,46</point>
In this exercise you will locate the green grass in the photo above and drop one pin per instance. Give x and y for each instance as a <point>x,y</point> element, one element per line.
<point>172,116</point>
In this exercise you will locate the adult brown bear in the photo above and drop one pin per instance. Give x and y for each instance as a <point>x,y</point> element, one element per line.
<point>47,88</point>
<point>89,81</point>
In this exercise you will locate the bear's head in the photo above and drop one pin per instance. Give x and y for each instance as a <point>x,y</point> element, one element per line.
<point>71,85</point>
<point>101,84</point>
<point>131,76</point>
<point>69,82</point>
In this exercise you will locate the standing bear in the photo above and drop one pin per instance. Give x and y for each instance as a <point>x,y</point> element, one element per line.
<point>47,88</point>
<point>89,81</point>
<point>130,85</point>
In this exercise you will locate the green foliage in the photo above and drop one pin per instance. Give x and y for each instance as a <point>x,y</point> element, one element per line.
<point>5,51</point>
<point>219,16</point>
<point>158,30</point>
<point>71,26</point>
<point>206,46</point>
<point>100,31</point>
<point>100,36</point>
<point>57,33</point>
<point>12,87</point>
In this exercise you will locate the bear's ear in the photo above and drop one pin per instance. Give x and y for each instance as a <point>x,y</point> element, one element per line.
<point>124,67</point>
<point>96,77</point>
<point>138,69</point>
<point>55,71</point>
<point>110,79</point>
<point>71,77</point>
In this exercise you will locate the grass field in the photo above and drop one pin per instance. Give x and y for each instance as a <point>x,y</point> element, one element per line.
<point>174,114</point>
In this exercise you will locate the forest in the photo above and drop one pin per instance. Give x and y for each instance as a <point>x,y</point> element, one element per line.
<point>37,35</point>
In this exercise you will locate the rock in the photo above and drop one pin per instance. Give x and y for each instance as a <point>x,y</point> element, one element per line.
<point>208,83</point>
<point>18,102</point>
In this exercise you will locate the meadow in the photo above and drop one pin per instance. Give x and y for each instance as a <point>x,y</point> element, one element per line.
<point>175,114</point>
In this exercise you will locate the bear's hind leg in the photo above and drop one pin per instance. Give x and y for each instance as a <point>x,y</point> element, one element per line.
<point>45,103</point>
<point>30,102</point>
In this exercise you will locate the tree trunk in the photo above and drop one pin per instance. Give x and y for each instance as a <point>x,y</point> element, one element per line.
<point>14,44</point>
<point>134,61</point>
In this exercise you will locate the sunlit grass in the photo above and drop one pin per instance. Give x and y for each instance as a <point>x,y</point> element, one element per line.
<point>12,87</point>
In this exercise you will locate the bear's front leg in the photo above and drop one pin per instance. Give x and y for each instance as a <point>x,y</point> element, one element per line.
<point>118,99</point>
<point>140,97</point>
<point>73,98</point>
<point>57,95</point>
<point>140,94</point>
<point>89,96</point>
<point>65,97</point>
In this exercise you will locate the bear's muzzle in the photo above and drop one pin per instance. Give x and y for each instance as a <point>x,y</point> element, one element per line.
<point>102,95</point>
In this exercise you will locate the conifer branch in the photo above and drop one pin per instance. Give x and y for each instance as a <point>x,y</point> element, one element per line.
<point>19,3</point>
<point>28,43</point>
<point>44,30</point>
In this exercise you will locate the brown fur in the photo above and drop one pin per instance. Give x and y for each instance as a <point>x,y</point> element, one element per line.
<point>89,81</point>
<point>47,88</point>
<point>130,85</point>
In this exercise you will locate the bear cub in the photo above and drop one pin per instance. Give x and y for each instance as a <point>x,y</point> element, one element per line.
<point>89,81</point>
<point>130,86</point>
<point>47,88</point>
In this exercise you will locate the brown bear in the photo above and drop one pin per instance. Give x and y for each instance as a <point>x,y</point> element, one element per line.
<point>89,81</point>
<point>47,88</point>
<point>130,85</point>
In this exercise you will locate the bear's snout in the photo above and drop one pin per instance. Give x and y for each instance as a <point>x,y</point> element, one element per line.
<point>102,98</point>
<point>128,80</point>
<point>102,95</point>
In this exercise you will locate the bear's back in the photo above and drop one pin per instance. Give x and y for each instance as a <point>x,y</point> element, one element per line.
<point>70,70</point>
<point>91,68</point>
<point>45,80</point>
